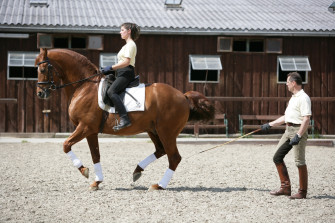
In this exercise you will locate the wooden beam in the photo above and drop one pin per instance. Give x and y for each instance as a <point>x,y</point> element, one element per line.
<point>272,99</point>
<point>8,100</point>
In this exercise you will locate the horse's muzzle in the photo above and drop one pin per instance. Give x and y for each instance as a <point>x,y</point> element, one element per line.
<point>43,94</point>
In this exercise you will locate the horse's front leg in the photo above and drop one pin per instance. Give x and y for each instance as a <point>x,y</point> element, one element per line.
<point>93,143</point>
<point>75,137</point>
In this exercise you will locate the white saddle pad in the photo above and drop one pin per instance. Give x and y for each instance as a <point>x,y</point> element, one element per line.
<point>129,102</point>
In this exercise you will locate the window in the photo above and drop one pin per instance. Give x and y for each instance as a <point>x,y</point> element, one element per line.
<point>173,4</point>
<point>78,42</point>
<point>225,44</point>
<point>255,45</point>
<point>95,42</point>
<point>274,45</point>
<point>44,41</point>
<point>21,66</point>
<point>331,8</point>
<point>39,3</point>
<point>61,42</point>
<point>70,41</point>
<point>250,45</point>
<point>240,45</point>
<point>288,64</point>
<point>204,68</point>
<point>107,59</point>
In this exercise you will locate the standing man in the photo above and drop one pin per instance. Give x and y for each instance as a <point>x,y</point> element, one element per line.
<point>297,116</point>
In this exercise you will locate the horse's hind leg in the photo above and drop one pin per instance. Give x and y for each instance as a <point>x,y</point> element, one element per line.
<point>174,159</point>
<point>151,158</point>
<point>93,143</point>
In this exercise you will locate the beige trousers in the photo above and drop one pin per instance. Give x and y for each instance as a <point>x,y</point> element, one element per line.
<point>299,150</point>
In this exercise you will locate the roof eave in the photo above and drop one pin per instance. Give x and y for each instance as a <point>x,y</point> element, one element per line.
<point>165,31</point>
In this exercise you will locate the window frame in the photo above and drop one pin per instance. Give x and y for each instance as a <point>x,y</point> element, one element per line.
<point>206,56</point>
<point>69,38</point>
<point>300,71</point>
<point>247,41</point>
<point>22,65</point>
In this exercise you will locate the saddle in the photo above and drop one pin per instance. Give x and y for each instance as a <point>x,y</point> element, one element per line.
<point>109,81</point>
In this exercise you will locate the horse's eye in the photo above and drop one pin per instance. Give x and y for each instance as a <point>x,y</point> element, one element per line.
<point>42,69</point>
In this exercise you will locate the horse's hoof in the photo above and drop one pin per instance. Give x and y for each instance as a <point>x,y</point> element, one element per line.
<point>94,186</point>
<point>155,187</point>
<point>137,176</point>
<point>85,172</point>
<point>137,173</point>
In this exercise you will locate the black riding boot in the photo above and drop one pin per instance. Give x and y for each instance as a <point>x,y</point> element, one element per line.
<point>119,107</point>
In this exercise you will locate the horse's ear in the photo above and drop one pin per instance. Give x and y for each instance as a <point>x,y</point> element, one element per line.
<point>44,52</point>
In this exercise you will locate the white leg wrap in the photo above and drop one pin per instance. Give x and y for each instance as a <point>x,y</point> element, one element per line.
<point>166,178</point>
<point>98,172</point>
<point>76,162</point>
<point>144,163</point>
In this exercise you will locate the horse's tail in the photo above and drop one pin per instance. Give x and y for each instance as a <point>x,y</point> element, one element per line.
<point>201,109</point>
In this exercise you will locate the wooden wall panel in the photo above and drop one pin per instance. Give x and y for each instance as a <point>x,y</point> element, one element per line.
<point>12,115</point>
<point>38,107</point>
<point>30,98</point>
<point>166,59</point>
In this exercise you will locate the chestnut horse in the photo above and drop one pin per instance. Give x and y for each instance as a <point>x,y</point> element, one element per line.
<point>166,111</point>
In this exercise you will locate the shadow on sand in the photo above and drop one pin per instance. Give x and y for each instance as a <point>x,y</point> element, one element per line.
<point>198,189</point>
<point>324,196</point>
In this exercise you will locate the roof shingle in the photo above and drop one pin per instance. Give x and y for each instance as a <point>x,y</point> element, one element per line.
<point>197,16</point>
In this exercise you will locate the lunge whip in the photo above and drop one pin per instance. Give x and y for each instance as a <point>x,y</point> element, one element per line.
<point>257,130</point>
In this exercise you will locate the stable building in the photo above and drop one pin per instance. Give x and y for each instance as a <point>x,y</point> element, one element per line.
<point>236,52</point>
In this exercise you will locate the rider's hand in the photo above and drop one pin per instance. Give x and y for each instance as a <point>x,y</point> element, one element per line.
<point>265,127</point>
<point>295,140</point>
<point>106,70</point>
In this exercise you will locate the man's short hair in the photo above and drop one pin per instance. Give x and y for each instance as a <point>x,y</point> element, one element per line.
<point>295,76</point>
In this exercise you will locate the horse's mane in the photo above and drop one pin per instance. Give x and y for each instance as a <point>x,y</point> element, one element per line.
<point>84,61</point>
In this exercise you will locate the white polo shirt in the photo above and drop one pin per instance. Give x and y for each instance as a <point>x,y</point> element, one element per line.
<point>298,107</point>
<point>128,51</point>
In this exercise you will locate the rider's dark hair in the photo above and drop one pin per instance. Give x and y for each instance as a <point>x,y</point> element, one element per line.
<point>135,29</point>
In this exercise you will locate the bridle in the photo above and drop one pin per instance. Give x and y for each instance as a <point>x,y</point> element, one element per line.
<point>50,82</point>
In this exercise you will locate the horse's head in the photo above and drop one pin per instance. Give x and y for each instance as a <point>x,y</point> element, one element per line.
<point>45,75</point>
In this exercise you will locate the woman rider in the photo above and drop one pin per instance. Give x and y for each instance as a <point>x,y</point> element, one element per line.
<point>124,71</point>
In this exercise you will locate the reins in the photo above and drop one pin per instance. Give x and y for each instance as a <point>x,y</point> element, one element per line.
<point>257,130</point>
<point>75,82</point>
<point>52,84</point>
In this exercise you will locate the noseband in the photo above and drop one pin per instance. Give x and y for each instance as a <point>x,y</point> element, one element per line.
<point>51,84</point>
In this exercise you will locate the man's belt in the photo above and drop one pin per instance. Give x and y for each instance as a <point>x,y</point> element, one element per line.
<point>292,124</point>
